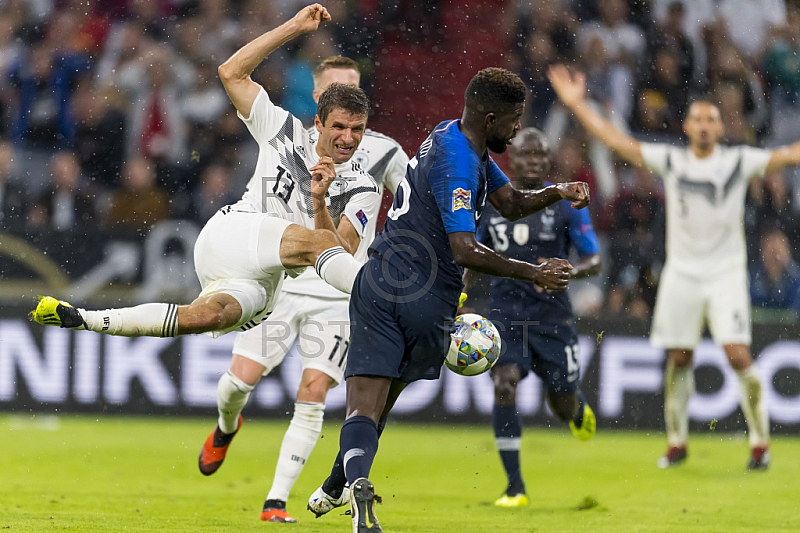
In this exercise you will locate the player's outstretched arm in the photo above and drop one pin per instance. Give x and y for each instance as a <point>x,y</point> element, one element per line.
<point>784,156</point>
<point>571,90</point>
<point>235,72</point>
<point>514,204</point>
<point>552,274</point>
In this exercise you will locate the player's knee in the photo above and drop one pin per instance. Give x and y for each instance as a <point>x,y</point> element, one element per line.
<point>315,389</point>
<point>505,385</point>
<point>301,246</point>
<point>322,240</point>
<point>680,358</point>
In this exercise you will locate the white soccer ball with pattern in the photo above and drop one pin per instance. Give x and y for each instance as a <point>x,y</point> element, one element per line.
<point>474,345</point>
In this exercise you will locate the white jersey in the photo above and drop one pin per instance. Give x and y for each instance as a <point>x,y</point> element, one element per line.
<point>386,161</point>
<point>281,183</point>
<point>705,204</point>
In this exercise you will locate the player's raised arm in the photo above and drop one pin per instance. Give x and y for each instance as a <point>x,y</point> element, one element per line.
<point>235,72</point>
<point>571,90</point>
<point>784,156</point>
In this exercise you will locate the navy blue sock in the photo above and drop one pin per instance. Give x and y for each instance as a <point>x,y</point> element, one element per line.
<point>507,434</point>
<point>578,420</point>
<point>358,443</point>
<point>335,483</point>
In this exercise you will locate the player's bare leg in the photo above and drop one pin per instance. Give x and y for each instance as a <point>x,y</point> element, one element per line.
<point>298,442</point>
<point>678,389</point>
<point>301,247</point>
<point>209,313</point>
<point>233,391</point>
<point>752,404</point>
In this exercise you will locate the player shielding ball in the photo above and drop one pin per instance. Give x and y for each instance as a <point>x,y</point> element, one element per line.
<point>404,299</point>
<point>310,312</point>
<point>246,250</point>
<point>705,276</point>
<point>538,327</point>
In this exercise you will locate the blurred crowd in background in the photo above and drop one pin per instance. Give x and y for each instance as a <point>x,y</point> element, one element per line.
<point>111,113</point>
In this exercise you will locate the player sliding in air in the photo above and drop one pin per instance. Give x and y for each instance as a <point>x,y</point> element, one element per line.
<point>404,299</point>
<point>280,225</point>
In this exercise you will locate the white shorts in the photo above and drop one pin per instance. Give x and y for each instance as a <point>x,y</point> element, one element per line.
<point>227,260</point>
<point>684,304</point>
<point>319,325</point>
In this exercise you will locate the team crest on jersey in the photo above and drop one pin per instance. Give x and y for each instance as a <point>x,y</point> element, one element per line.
<point>340,184</point>
<point>462,199</point>
<point>362,159</point>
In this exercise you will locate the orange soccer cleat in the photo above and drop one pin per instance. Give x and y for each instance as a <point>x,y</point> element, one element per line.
<point>216,446</point>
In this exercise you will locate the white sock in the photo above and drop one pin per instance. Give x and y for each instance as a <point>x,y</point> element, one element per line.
<point>232,394</point>
<point>150,320</point>
<point>678,389</point>
<point>297,445</point>
<point>753,406</point>
<point>338,268</point>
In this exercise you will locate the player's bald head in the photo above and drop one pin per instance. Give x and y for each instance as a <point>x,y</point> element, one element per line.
<point>494,90</point>
<point>532,138</point>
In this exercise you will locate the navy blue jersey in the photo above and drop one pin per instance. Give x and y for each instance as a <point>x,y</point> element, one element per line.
<point>444,191</point>
<point>545,234</point>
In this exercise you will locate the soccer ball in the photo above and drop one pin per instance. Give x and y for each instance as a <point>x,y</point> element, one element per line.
<point>474,345</point>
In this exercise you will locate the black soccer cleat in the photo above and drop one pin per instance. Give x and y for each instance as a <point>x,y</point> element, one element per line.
<point>362,503</point>
<point>675,455</point>
<point>52,312</point>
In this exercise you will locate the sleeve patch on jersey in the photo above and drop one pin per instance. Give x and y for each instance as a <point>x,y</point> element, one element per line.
<point>462,199</point>
<point>362,217</point>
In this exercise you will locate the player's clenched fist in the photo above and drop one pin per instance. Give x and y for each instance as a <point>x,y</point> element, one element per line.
<point>322,175</point>
<point>552,274</point>
<point>575,191</point>
<point>309,18</point>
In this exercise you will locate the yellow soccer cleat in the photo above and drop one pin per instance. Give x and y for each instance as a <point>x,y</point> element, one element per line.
<point>518,500</point>
<point>52,312</point>
<point>462,299</point>
<point>588,426</point>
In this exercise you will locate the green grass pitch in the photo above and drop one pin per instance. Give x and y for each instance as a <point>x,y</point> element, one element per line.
<point>139,474</point>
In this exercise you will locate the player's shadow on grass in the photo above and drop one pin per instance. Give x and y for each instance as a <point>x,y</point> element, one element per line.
<point>589,503</point>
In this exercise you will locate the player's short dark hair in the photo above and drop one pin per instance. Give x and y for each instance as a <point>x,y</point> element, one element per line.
<point>342,96</point>
<point>494,89</point>
<point>336,62</point>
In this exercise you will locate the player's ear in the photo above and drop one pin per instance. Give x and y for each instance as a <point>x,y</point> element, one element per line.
<point>489,120</point>
<point>318,123</point>
<point>315,95</point>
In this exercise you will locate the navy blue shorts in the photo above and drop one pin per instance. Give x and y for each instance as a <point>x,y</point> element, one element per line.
<point>396,332</point>
<point>548,350</point>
